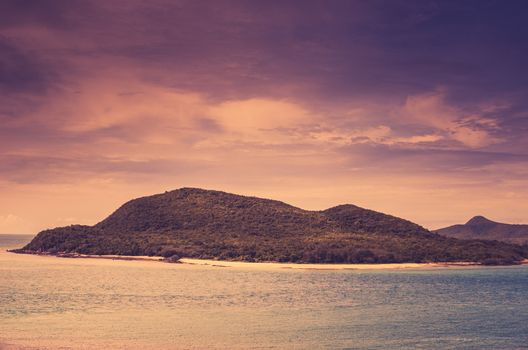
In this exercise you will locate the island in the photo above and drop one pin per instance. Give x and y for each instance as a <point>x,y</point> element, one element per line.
<point>206,224</point>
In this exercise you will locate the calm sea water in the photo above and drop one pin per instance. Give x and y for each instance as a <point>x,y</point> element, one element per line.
<point>56,303</point>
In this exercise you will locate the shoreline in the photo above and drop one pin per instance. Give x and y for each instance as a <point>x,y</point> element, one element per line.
<point>324,266</point>
<point>308,266</point>
<point>273,265</point>
<point>88,256</point>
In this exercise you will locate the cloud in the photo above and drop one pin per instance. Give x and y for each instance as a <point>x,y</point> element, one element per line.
<point>261,96</point>
<point>52,14</point>
<point>258,114</point>
<point>26,169</point>
<point>431,109</point>
<point>21,71</point>
<point>122,126</point>
<point>11,223</point>
<point>426,160</point>
<point>417,139</point>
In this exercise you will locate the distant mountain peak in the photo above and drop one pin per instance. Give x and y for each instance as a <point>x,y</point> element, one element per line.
<point>479,220</point>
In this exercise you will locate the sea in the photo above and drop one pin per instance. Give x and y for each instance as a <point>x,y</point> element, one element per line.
<point>61,303</point>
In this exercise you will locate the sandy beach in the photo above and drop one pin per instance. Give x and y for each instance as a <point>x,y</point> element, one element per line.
<point>266,265</point>
<point>277,265</point>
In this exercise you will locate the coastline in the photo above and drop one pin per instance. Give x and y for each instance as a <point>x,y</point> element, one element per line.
<point>88,256</point>
<point>272,265</point>
<point>294,266</point>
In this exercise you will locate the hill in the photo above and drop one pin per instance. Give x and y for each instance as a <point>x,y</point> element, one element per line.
<point>481,228</point>
<point>198,223</point>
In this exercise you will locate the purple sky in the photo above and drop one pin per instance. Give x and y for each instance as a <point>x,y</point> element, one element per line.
<point>414,108</point>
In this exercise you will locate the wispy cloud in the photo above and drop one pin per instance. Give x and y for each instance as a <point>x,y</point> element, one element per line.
<point>430,109</point>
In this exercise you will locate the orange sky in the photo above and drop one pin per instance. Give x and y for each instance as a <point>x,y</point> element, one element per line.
<point>318,106</point>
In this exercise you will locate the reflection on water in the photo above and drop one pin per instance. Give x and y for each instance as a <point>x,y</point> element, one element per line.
<point>50,302</point>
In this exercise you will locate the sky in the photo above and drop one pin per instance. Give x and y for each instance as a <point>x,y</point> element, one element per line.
<point>418,109</point>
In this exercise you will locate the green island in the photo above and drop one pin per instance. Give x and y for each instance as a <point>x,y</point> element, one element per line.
<point>205,224</point>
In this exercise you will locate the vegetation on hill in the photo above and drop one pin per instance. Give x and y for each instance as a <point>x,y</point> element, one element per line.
<point>481,228</point>
<point>206,224</point>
